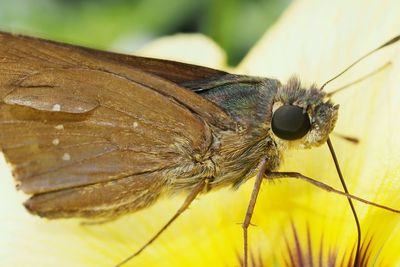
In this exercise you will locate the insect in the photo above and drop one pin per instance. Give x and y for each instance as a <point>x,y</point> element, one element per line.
<point>94,134</point>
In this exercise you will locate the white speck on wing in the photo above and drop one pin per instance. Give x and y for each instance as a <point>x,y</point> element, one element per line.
<point>66,156</point>
<point>59,127</point>
<point>56,107</point>
<point>135,124</point>
<point>55,141</point>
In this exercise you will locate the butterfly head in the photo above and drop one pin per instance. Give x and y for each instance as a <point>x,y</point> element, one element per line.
<point>302,118</point>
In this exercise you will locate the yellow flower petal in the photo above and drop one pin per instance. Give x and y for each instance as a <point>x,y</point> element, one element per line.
<point>316,40</point>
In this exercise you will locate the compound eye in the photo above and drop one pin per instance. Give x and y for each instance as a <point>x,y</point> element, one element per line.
<point>290,122</point>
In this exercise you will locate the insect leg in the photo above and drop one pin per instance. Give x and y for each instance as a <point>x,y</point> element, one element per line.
<point>189,199</point>
<point>296,175</point>
<point>250,207</point>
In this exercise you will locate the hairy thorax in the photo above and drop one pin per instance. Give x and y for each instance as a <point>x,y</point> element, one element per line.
<point>240,155</point>
<point>233,157</point>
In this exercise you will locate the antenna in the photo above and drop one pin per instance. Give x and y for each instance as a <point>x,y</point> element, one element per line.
<point>330,94</point>
<point>390,42</point>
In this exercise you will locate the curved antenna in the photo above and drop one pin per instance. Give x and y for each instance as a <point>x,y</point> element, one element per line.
<point>390,42</point>
<point>330,94</point>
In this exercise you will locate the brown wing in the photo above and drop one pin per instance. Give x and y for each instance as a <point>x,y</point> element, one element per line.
<point>89,137</point>
<point>173,71</point>
<point>176,72</point>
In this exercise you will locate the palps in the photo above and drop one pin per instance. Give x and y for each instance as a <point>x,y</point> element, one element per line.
<point>93,134</point>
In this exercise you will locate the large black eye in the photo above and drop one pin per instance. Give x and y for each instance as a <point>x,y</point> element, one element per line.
<point>290,122</point>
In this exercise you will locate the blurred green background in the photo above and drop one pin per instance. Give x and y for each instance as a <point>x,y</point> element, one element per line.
<point>126,25</point>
